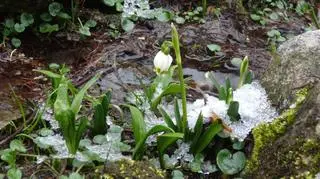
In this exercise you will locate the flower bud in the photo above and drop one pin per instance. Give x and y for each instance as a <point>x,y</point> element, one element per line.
<point>162,62</point>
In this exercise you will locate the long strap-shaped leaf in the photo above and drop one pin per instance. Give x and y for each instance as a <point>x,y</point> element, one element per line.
<point>173,88</point>
<point>76,103</point>
<point>207,137</point>
<point>164,141</point>
<point>139,149</point>
<point>138,124</point>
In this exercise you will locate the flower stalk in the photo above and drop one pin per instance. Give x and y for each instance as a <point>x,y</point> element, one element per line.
<point>176,47</point>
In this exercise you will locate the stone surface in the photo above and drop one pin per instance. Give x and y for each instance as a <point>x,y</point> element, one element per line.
<point>290,147</point>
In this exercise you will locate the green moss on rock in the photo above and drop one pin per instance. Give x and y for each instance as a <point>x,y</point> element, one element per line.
<point>124,169</point>
<point>268,132</point>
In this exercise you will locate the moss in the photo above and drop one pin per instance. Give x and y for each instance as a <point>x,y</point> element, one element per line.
<point>131,169</point>
<point>268,132</point>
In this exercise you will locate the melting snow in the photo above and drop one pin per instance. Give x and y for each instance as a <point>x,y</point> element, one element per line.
<point>254,109</point>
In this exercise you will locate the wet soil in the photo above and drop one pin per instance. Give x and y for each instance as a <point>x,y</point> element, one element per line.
<point>129,57</point>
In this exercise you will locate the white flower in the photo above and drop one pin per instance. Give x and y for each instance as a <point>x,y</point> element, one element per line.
<point>162,62</point>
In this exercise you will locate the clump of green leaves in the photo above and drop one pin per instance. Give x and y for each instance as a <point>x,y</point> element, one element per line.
<point>101,108</point>
<point>13,28</point>
<point>304,8</point>
<point>117,3</point>
<point>66,108</point>
<point>274,36</point>
<point>9,155</point>
<point>84,29</point>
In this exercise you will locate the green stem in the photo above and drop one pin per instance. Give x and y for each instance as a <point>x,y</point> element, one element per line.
<point>176,46</point>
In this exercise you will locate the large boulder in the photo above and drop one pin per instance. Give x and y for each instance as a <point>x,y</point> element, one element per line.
<point>290,146</point>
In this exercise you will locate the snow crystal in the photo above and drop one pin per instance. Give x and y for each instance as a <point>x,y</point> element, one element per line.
<point>140,8</point>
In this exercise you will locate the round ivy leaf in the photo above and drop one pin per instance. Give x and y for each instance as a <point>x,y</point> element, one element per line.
<point>119,6</point>
<point>26,19</point>
<point>90,23</point>
<point>177,174</point>
<point>19,27</point>
<point>230,164</point>
<point>109,2</point>
<point>180,20</point>
<point>236,62</point>
<point>164,16</point>
<point>238,145</point>
<point>85,31</point>
<point>17,145</point>
<point>46,17</point>
<point>9,23</point>
<point>255,17</point>
<point>273,33</point>
<point>14,173</point>
<point>55,8</point>
<point>16,42</point>
<point>274,16</point>
<point>214,47</point>
<point>127,24</point>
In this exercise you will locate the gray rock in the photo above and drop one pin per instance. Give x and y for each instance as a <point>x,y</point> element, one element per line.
<point>290,146</point>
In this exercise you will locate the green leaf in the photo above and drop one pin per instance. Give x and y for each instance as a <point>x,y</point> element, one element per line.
<point>90,23</point>
<point>140,148</point>
<point>16,42</point>
<point>85,31</point>
<point>236,62</point>
<point>55,8</point>
<point>243,71</point>
<point>273,33</point>
<point>207,137</point>
<point>63,15</point>
<point>233,111</point>
<point>177,115</point>
<point>138,123</point>
<point>110,3</point>
<point>49,73</point>
<point>165,140</point>
<point>173,88</point>
<point>127,24</point>
<point>167,119</point>
<point>164,16</point>
<point>9,23</point>
<point>76,103</point>
<point>46,17</point>
<point>238,145</point>
<point>177,174</point>
<point>231,164</point>
<point>14,173</point>
<point>214,47</point>
<point>274,16</point>
<point>48,28</point>
<point>26,19</point>
<point>80,131</point>
<point>100,114</point>
<point>19,27</point>
<point>9,156</point>
<point>248,78</point>
<point>180,20</point>
<point>119,6</point>
<point>17,145</point>
<point>255,17</point>
<point>198,128</point>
